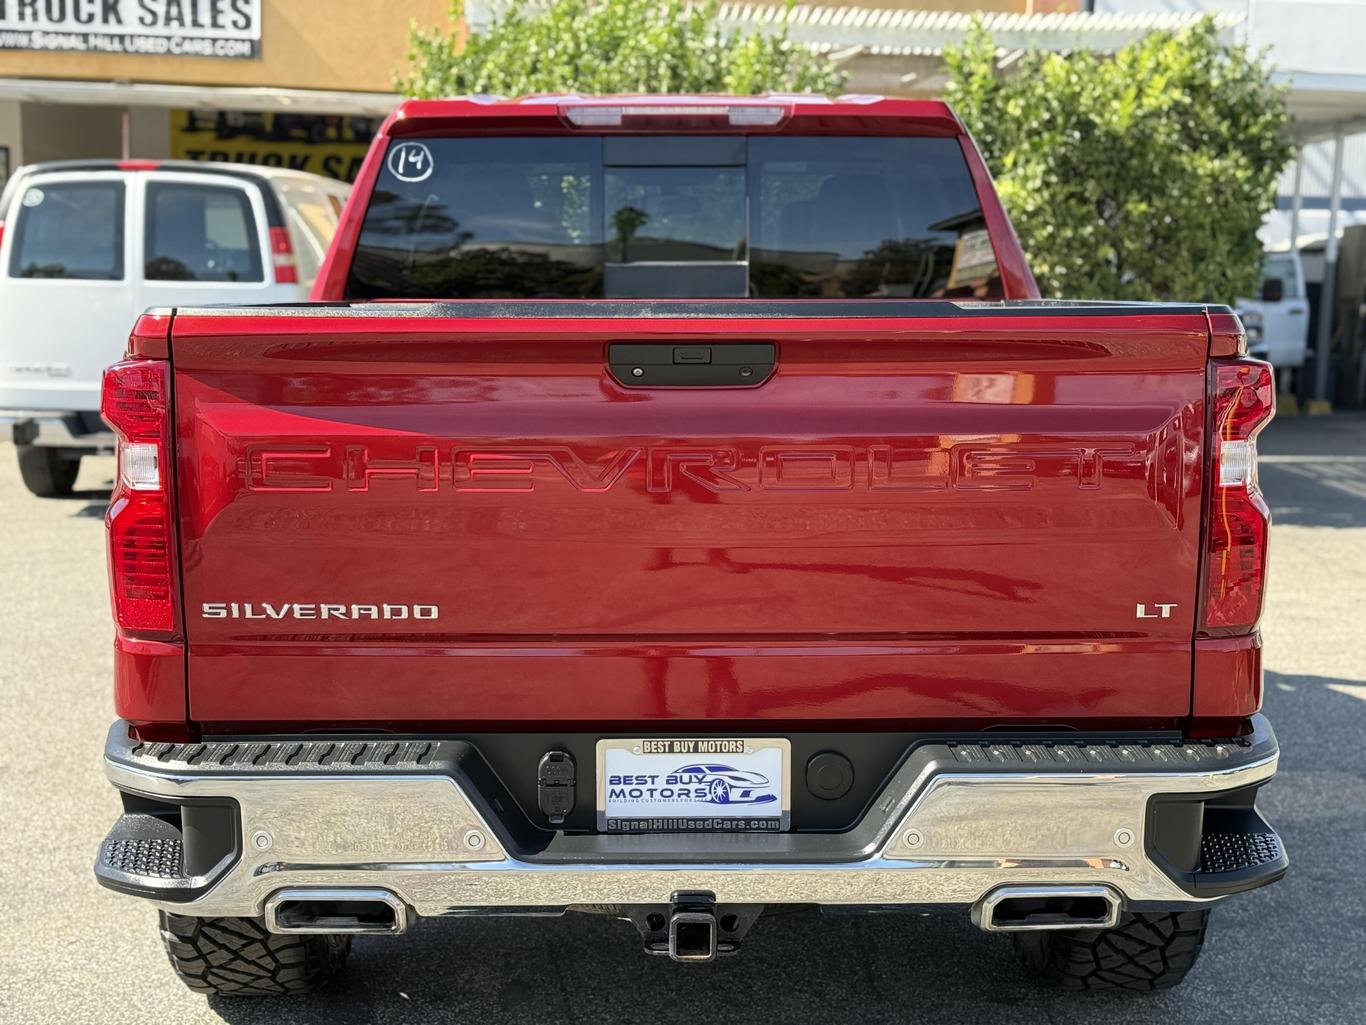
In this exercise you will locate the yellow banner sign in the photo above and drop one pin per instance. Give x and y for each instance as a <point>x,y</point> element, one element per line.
<point>332,145</point>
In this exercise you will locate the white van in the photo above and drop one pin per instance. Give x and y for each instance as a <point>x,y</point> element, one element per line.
<point>85,246</point>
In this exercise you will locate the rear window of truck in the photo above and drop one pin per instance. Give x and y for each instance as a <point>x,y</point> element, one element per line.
<point>687,217</point>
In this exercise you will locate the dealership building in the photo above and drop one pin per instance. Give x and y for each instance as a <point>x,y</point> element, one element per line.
<point>299,83</point>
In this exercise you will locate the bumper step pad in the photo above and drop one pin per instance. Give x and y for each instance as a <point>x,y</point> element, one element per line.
<point>144,853</point>
<point>1238,852</point>
<point>166,851</point>
<point>300,756</point>
<point>152,858</point>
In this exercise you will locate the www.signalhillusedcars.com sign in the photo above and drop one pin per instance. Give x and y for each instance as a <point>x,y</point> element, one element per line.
<point>166,28</point>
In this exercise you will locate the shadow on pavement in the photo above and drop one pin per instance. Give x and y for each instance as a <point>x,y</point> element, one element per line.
<point>96,502</point>
<point>1313,470</point>
<point>1327,493</point>
<point>796,968</point>
<point>1288,683</point>
<point>1343,433</point>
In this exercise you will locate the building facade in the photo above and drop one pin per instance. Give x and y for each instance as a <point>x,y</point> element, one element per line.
<point>292,82</point>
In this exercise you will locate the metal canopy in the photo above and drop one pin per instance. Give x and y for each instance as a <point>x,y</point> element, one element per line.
<point>1324,105</point>
<point>197,97</point>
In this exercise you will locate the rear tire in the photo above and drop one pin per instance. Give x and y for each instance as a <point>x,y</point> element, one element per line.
<point>1143,952</point>
<point>237,957</point>
<point>48,472</point>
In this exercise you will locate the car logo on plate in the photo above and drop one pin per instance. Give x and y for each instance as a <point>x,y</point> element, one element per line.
<point>723,784</point>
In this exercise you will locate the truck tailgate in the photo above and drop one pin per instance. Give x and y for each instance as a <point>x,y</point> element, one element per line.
<point>456,514</point>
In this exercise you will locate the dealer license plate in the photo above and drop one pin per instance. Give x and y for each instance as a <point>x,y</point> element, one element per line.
<point>694,784</point>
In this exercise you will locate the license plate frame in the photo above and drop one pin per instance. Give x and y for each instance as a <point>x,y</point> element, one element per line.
<point>721,795</point>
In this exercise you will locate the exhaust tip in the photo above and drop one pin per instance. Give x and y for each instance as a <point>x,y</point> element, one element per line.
<point>351,911</point>
<point>1038,908</point>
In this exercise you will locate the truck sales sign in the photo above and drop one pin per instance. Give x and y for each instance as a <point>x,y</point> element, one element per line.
<point>164,28</point>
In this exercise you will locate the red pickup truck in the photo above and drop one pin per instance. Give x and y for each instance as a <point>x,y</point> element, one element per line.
<point>673,507</point>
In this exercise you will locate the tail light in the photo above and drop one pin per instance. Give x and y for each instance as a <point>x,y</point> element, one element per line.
<point>1242,400</point>
<point>135,402</point>
<point>282,252</point>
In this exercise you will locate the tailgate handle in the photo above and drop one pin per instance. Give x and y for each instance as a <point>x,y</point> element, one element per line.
<point>726,365</point>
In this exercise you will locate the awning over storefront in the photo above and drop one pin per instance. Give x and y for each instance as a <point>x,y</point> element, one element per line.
<point>899,51</point>
<point>830,26</point>
<point>1325,105</point>
<point>193,97</point>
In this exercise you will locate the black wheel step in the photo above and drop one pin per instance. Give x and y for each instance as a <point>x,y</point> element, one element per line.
<point>169,854</point>
<point>1236,852</point>
<point>156,858</point>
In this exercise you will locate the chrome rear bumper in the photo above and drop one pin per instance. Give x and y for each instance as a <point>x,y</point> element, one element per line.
<point>955,822</point>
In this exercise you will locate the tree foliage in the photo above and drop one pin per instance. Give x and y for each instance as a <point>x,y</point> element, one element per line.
<point>611,46</point>
<point>1141,176</point>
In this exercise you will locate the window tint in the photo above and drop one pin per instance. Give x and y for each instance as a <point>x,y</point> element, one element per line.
<point>70,230</point>
<point>494,219</point>
<point>200,233</point>
<point>854,218</point>
<point>668,216</point>
<point>675,213</point>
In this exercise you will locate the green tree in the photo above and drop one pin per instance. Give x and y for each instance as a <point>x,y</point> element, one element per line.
<point>627,221</point>
<point>1141,176</point>
<point>611,46</point>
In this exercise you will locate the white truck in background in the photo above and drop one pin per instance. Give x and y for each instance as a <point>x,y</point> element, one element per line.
<point>1277,321</point>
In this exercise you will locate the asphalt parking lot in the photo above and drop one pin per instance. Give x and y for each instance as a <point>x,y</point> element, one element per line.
<point>71,952</point>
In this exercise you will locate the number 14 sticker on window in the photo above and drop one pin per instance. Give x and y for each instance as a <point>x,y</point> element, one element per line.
<point>410,162</point>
